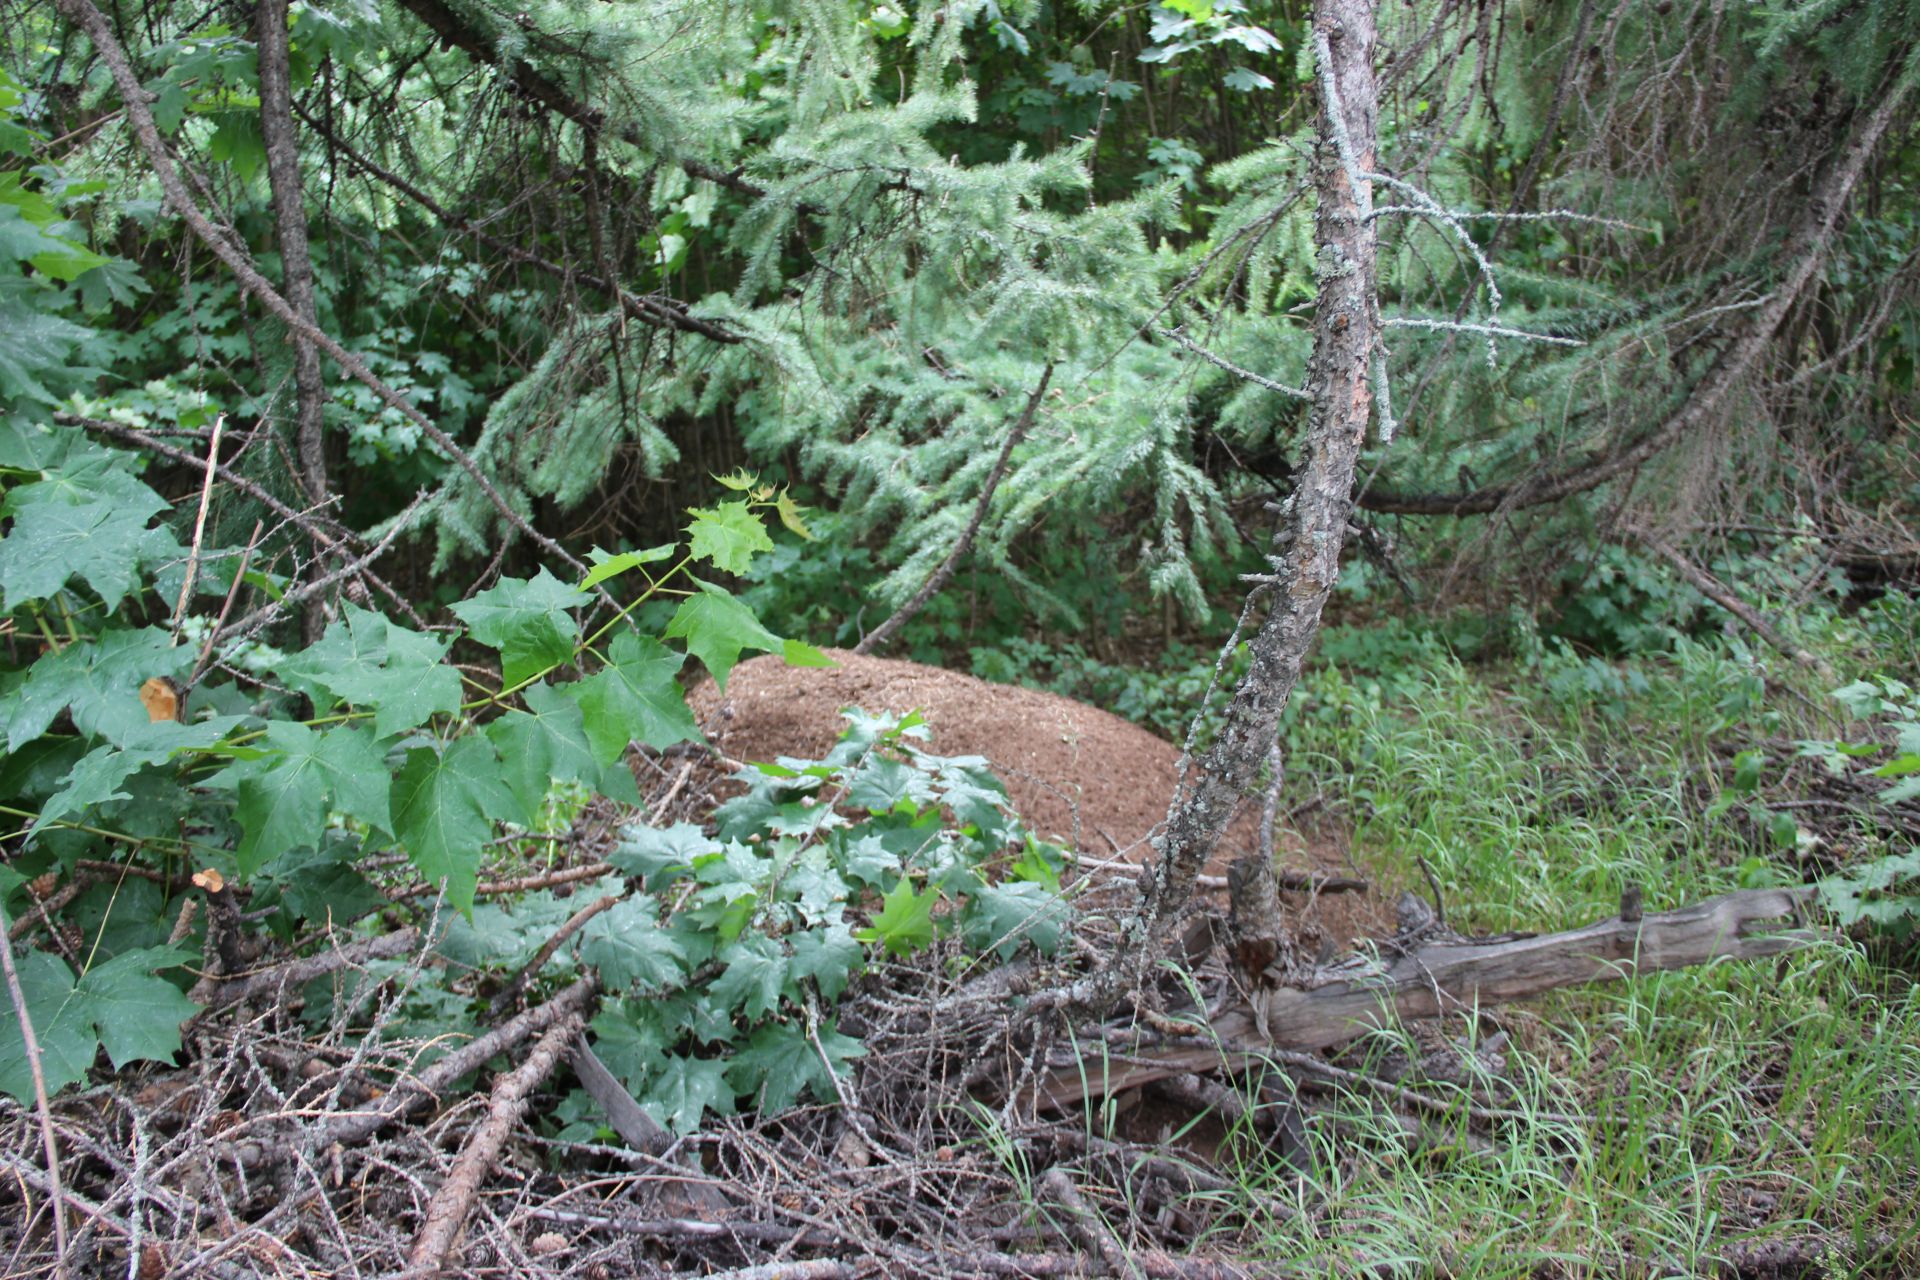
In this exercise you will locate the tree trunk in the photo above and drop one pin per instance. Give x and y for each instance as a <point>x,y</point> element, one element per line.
<point>296,264</point>
<point>290,229</point>
<point>1306,550</point>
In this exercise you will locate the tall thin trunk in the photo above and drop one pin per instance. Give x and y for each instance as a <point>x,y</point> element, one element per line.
<point>1307,544</point>
<point>296,264</point>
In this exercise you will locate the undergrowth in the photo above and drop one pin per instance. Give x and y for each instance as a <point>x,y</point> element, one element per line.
<point>1664,1122</point>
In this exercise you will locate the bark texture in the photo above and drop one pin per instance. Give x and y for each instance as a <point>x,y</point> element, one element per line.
<point>1447,976</point>
<point>1306,553</point>
<point>290,230</point>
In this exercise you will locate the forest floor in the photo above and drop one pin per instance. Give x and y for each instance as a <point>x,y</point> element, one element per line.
<point>1758,1119</point>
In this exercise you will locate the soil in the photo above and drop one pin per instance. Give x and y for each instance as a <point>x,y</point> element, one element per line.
<point>1075,773</point>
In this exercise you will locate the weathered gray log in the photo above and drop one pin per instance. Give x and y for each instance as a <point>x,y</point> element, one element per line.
<point>1447,976</point>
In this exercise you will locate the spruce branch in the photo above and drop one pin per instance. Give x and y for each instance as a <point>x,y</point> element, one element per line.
<point>942,575</point>
<point>83,14</point>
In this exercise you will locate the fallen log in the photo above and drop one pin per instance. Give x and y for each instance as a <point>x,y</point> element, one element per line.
<point>1442,977</point>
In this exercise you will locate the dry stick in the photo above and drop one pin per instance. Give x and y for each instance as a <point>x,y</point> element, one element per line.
<point>267,613</point>
<point>509,993</point>
<point>448,1209</point>
<point>491,888</point>
<point>1297,882</point>
<point>1718,592</point>
<point>226,606</point>
<point>83,14</point>
<point>1086,1225</point>
<point>336,546</point>
<point>953,1261</point>
<point>1806,252</point>
<point>1248,375</point>
<point>1523,187</point>
<point>47,906</point>
<point>673,793</point>
<point>199,529</point>
<point>416,1091</point>
<point>811,1269</point>
<point>885,631</point>
<point>298,972</point>
<point>31,1044</point>
<point>1447,976</point>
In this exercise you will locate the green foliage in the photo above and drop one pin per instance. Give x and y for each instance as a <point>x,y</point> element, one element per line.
<point>118,1004</point>
<point>880,830</point>
<point>1883,892</point>
<point>397,750</point>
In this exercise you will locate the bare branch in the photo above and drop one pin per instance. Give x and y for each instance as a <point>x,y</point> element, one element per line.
<point>940,576</point>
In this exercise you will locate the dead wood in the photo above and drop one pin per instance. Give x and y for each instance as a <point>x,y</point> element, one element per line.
<point>408,1094</point>
<point>1305,552</point>
<point>957,1260</point>
<point>944,574</point>
<point>447,1211</point>
<point>415,1092</point>
<point>1443,977</point>
<point>1718,592</point>
<point>335,541</point>
<point>504,998</point>
<point>1806,255</point>
<point>297,973</point>
<point>1086,1226</point>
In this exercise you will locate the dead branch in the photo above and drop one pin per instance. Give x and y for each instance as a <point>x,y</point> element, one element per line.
<point>444,22</point>
<point>1444,977</point>
<point>521,884</point>
<point>1718,592</point>
<point>957,1261</point>
<point>199,532</point>
<point>504,998</point>
<point>1086,1225</point>
<point>332,543</point>
<point>296,973</point>
<point>1805,256</point>
<point>1306,547</point>
<point>273,609</point>
<point>30,1044</point>
<point>415,1092</point>
<point>448,1209</point>
<point>226,606</point>
<point>940,577</point>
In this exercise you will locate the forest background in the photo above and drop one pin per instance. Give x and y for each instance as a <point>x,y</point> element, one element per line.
<point>538,350</point>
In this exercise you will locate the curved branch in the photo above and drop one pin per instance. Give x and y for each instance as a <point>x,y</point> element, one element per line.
<point>941,576</point>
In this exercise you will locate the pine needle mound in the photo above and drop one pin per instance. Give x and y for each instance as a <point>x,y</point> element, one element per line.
<point>1075,773</point>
